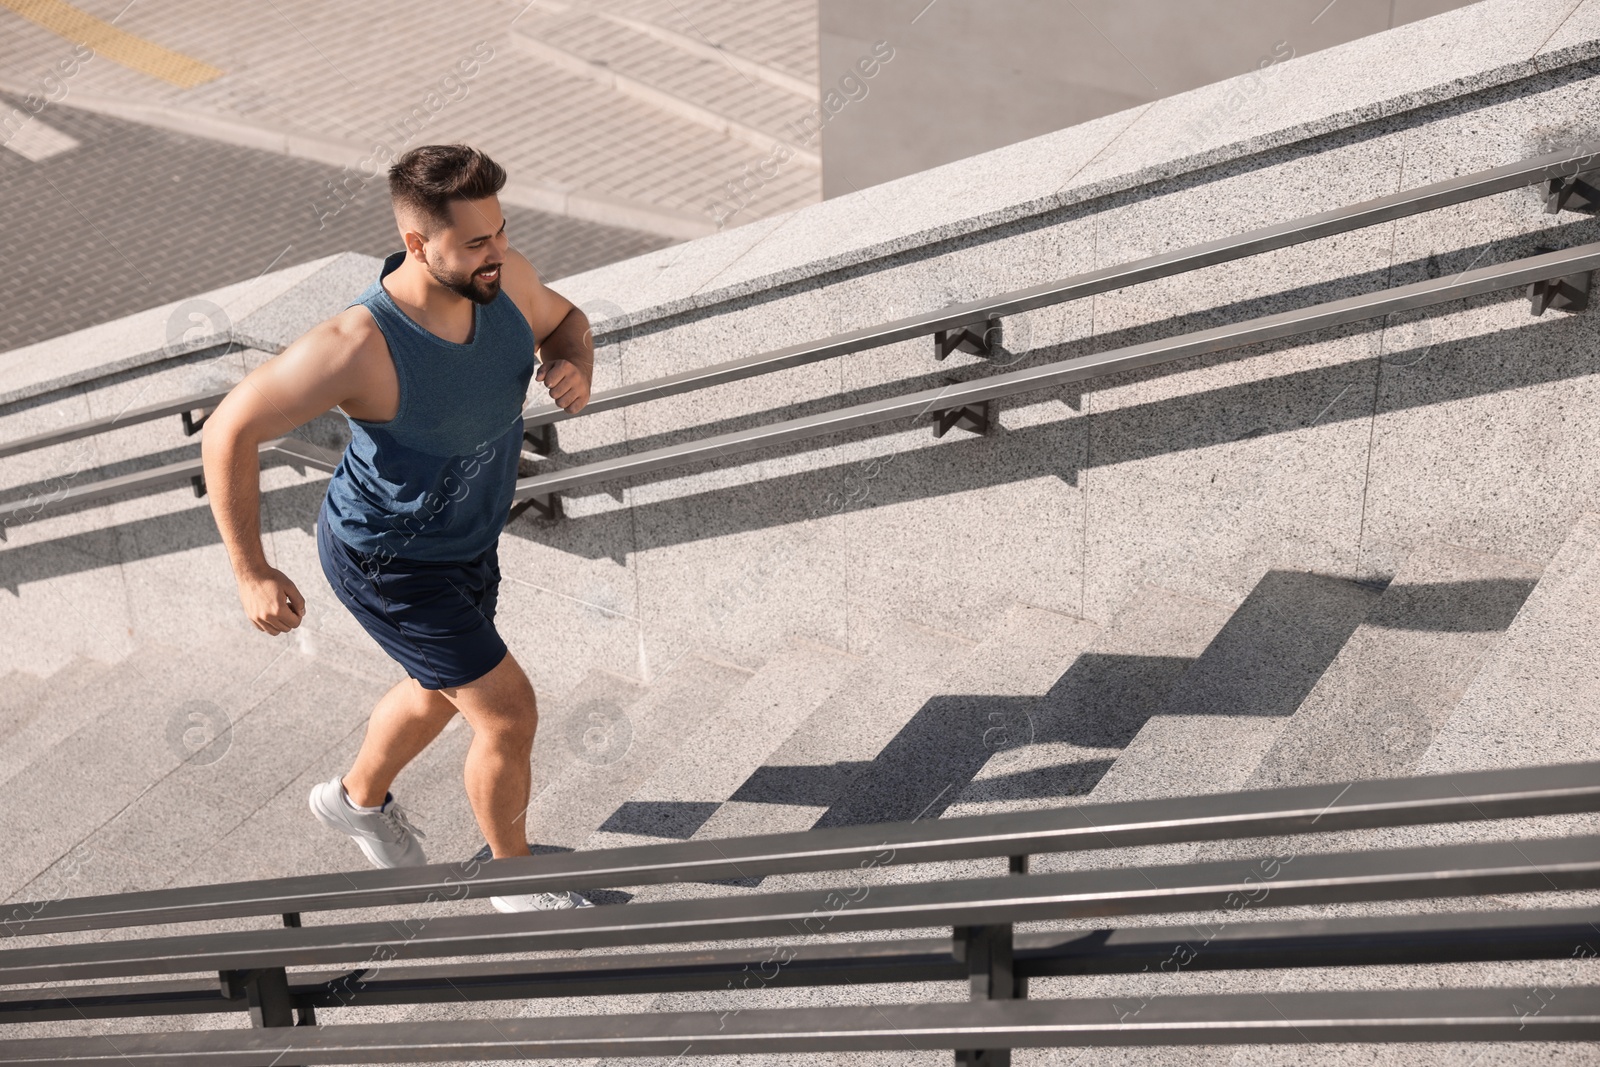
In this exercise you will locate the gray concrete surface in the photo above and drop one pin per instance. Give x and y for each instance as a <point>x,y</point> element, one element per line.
<point>354,86</point>
<point>1533,701</point>
<point>983,199</point>
<point>572,805</point>
<point>1375,710</point>
<point>1252,679</point>
<point>721,749</point>
<point>969,76</point>
<point>904,668</point>
<point>135,217</point>
<point>1092,548</point>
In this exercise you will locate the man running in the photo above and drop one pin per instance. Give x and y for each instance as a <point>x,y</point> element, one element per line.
<point>431,367</point>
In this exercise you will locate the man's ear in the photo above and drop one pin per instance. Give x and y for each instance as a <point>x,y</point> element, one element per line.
<point>415,243</point>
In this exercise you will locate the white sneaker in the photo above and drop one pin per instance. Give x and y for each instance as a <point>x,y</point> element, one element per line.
<point>542,901</point>
<point>386,837</point>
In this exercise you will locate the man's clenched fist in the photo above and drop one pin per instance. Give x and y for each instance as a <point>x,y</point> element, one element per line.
<point>271,601</point>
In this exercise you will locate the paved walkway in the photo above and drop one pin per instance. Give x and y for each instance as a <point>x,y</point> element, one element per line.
<point>652,150</point>
<point>134,216</point>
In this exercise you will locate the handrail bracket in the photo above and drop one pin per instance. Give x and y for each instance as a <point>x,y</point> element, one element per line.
<point>547,505</point>
<point>191,424</point>
<point>963,338</point>
<point>977,417</point>
<point>1575,193</point>
<point>1569,292</point>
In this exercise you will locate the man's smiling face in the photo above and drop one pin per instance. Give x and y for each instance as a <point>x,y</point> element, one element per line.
<point>466,256</point>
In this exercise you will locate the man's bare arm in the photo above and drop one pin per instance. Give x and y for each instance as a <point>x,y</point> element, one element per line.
<point>566,344</point>
<point>315,373</point>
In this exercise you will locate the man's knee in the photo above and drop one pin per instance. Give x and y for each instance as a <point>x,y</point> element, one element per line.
<point>501,704</point>
<point>511,729</point>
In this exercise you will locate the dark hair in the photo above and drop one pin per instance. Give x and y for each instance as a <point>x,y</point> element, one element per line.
<point>429,176</point>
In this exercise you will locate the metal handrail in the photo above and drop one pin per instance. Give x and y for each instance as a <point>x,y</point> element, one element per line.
<point>1407,1015</point>
<point>1340,941</point>
<point>292,451</point>
<point>185,406</point>
<point>1430,872</point>
<point>1553,167</point>
<point>1499,277</point>
<point>252,966</point>
<point>1499,794</point>
<point>1556,169</point>
<point>542,489</point>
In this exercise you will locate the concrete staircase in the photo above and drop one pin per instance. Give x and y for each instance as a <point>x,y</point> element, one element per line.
<point>1494,675</point>
<point>721,750</point>
<point>152,766</point>
<point>1177,695</point>
<point>1304,680</point>
<point>23,697</point>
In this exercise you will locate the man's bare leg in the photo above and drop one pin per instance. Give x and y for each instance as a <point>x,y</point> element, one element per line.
<point>503,713</point>
<point>404,722</point>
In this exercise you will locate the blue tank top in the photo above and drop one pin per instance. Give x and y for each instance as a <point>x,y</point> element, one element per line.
<point>435,482</point>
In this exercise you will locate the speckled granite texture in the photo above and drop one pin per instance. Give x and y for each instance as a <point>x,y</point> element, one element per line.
<point>1485,45</point>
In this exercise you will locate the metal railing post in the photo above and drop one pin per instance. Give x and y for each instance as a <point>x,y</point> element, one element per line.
<point>1019,865</point>
<point>266,990</point>
<point>987,952</point>
<point>305,1009</point>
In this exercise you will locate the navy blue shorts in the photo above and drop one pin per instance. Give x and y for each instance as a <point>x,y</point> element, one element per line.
<point>435,618</point>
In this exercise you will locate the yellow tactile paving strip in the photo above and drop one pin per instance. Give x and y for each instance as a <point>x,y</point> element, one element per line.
<point>118,45</point>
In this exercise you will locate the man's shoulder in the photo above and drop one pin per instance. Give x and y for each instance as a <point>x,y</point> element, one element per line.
<point>352,334</point>
<point>520,281</point>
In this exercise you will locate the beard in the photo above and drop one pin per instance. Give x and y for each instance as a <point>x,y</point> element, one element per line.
<point>469,285</point>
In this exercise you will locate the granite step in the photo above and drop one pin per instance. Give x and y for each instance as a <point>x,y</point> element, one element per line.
<point>183,825</point>
<point>1225,711</point>
<point>723,748</point>
<point>128,728</point>
<point>1229,707</point>
<point>907,668</point>
<point>196,825</point>
<point>200,822</point>
<point>89,694</point>
<point>634,742</point>
<point>574,803</point>
<point>1495,675</point>
<point>907,665</point>
<point>24,696</point>
<point>1448,643</point>
<point>327,716</point>
<point>1106,685</point>
<point>54,711</point>
<point>1530,702</point>
<point>877,749</point>
<point>943,753</point>
<point>685,731</point>
<point>321,717</point>
<point>1404,670</point>
<point>1535,699</point>
<point>987,711</point>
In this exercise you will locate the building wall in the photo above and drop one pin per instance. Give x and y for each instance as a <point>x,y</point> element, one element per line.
<point>967,76</point>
